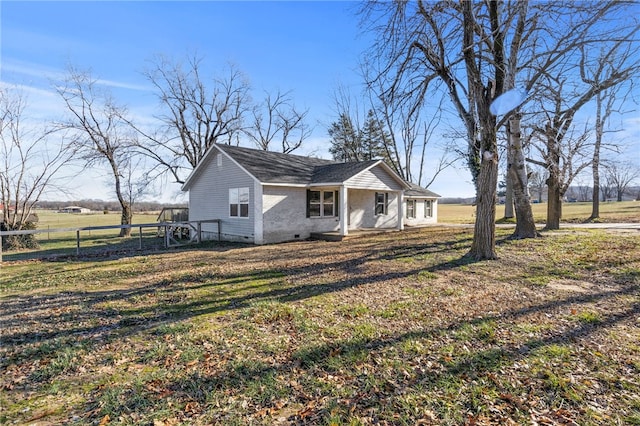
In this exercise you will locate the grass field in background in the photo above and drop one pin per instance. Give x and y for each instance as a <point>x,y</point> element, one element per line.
<point>64,243</point>
<point>625,211</point>
<point>53,219</point>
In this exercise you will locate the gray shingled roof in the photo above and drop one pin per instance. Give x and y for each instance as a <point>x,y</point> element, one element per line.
<point>418,191</point>
<point>275,167</point>
<point>339,172</point>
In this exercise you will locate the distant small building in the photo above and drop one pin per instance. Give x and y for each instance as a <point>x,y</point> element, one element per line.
<point>74,209</point>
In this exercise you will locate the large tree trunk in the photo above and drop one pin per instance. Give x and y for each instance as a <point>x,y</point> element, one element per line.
<point>554,185</point>
<point>554,202</point>
<point>595,165</point>
<point>127,213</point>
<point>508,197</point>
<point>508,194</point>
<point>484,236</point>
<point>595,198</point>
<point>127,216</point>
<point>525,225</point>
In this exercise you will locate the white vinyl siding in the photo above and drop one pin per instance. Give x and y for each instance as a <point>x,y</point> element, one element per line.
<point>376,178</point>
<point>209,198</point>
<point>425,211</point>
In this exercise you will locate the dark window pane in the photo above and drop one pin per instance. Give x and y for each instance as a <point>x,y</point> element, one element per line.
<point>314,210</point>
<point>328,209</point>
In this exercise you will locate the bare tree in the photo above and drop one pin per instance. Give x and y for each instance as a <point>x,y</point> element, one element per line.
<point>475,51</point>
<point>459,48</point>
<point>537,181</point>
<point>620,175</point>
<point>277,120</point>
<point>619,54</point>
<point>31,160</point>
<point>565,95</point>
<point>539,48</point>
<point>564,155</point>
<point>198,113</point>
<point>411,135</point>
<point>103,135</point>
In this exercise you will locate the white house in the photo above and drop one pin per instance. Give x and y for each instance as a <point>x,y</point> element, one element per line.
<point>74,209</point>
<point>267,197</point>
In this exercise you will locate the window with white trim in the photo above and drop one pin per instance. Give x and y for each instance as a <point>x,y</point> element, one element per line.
<point>382,203</point>
<point>428,208</point>
<point>411,209</point>
<point>239,202</point>
<point>322,203</point>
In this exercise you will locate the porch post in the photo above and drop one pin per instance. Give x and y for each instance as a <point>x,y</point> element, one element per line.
<point>400,197</point>
<point>344,211</point>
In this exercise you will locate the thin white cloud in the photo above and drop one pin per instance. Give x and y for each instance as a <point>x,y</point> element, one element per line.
<point>21,70</point>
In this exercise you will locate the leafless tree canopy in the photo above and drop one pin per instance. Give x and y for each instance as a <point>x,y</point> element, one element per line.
<point>199,109</point>
<point>475,51</point>
<point>277,122</point>
<point>197,112</point>
<point>620,175</point>
<point>102,134</point>
<point>31,159</point>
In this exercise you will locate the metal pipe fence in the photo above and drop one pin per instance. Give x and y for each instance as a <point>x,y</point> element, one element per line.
<point>174,233</point>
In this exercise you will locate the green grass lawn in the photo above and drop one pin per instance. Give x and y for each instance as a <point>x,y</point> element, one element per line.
<point>396,328</point>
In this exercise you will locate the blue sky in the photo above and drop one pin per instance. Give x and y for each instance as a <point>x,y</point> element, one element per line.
<point>308,48</point>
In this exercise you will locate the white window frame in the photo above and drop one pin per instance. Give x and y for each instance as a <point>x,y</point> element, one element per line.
<point>384,204</point>
<point>322,203</point>
<point>239,197</point>
<point>428,209</point>
<point>411,212</point>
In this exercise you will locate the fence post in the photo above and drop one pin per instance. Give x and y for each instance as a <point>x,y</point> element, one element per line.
<point>1,247</point>
<point>219,231</point>
<point>166,236</point>
<point>140,237</point>
<point>199,237</point>
<point>77,242</point>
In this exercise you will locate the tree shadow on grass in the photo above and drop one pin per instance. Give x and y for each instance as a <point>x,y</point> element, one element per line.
<point>98,316</point>
<point>321,359</point>
<point>92,320</point>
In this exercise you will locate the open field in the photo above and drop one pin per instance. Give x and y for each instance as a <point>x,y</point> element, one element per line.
<point>64,243</point>
<point>94,241</point>
<point>625,211</point>
<point>374,330</point>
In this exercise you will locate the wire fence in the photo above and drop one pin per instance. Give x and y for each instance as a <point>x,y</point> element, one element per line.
<point>91,240</point>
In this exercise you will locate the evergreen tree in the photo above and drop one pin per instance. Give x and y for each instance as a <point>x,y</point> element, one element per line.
<point>346,140</point>
<point>376,141</point>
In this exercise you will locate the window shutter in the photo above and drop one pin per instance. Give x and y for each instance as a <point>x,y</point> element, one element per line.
<point>336,204</point>
<point>308,202</point>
